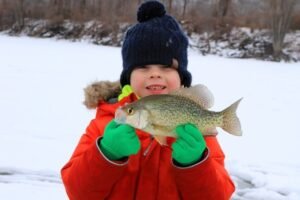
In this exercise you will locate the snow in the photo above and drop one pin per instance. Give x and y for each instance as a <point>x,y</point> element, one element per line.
<point>42,117</point>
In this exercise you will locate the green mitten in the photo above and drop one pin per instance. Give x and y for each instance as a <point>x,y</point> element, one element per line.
<point>189,146</point>
<point>119,141</point>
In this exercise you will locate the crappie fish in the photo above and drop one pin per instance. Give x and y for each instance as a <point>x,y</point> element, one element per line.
<point>160,114</point>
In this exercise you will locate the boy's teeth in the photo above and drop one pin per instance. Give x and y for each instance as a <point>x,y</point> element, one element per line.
<point>156,87</point>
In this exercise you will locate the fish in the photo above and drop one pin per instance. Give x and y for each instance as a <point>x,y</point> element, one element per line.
<point>160,114</point>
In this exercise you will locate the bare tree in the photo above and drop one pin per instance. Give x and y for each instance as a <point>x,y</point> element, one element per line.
<point>98,9</point>
<point>281,13</point>
<point>169,5</point>
<point>185,3</point>
<point>221,9</point>
<point>55,8</point>
<point>19,12</point>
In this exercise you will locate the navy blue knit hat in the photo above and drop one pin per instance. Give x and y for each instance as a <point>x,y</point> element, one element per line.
<point>156,39</point>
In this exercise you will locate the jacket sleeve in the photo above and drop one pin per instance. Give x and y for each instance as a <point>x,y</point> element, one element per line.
<point>208,179</point>
<point>89,174</point>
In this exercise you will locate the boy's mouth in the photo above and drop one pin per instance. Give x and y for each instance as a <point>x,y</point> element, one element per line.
<point>156,87</point>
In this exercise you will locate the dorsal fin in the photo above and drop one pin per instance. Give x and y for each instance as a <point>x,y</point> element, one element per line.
<point>199,94</point>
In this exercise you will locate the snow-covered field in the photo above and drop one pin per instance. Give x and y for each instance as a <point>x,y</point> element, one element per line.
<point>42,118</point>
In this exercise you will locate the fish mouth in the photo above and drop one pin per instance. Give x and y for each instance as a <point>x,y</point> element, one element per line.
<point>120,116</point>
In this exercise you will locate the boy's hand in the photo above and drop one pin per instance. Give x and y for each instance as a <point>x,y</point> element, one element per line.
<point>119,141</point>
<point>189,146</point>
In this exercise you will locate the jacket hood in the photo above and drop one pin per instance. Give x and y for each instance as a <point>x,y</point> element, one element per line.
<point>100,91</point>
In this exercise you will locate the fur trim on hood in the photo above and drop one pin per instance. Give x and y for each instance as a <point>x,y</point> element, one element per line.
<point>100,91</point>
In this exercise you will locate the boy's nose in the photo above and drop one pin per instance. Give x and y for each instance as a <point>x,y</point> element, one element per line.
<point>155,76</point>
<point>155,73</point>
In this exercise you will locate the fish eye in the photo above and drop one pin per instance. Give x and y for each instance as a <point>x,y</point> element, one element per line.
<point>130,111</point>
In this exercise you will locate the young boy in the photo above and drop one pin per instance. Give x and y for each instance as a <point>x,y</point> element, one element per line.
<point>115,161</point>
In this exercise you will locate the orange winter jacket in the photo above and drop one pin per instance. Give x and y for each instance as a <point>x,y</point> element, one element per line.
<point>149,175</point>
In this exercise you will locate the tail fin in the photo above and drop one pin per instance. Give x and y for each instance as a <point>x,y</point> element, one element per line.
<point>231,122</point>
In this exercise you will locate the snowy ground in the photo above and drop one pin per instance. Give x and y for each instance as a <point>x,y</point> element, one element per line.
<point>42,118</point>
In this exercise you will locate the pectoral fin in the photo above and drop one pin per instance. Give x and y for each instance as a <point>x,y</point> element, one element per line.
<point>162,140</point>
<point>160,133</point>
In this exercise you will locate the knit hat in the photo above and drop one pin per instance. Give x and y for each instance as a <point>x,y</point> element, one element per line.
<point>156,39</point>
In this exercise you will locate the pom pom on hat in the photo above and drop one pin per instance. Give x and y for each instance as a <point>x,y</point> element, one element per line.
<point>149,10</point>
<point>156,39</point>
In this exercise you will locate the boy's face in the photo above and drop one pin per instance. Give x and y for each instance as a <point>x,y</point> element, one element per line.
<point>154,79</point>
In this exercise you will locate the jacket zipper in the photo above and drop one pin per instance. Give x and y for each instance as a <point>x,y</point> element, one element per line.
<point>148,147</point>
<point>139,173</point>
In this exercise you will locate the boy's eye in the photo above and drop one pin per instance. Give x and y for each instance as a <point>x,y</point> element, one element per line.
<point>168,68</point>
<point>141,67</point>
<point>165,66</point>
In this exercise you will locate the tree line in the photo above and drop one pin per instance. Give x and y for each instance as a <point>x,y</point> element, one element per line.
<point>218,16</point>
